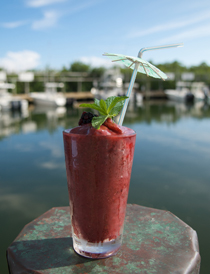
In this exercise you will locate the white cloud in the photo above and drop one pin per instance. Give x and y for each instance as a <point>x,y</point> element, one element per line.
<point>12,25</point>
<point>51,17</point>
<point>24,147</point>
<point>22,204</point>
<point>52,165</point>
<point>180,139</point>
<point>194,33</point>
<point>41,3</point>
<point>55,149</point>
<point>56,158</point>
<point>96,61</point>
<point>83,6</point>
<point>49,20</point>
<point>20,61</point>
<point>179,23</point>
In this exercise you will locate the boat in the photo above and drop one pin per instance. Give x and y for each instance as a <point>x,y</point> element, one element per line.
<point>111,84</point>
<point>182,93</point>
<point>189,92</point>
<point>50,97</point>
<point>200,91</point>
<point>104,94</point>
<point>9,102</point>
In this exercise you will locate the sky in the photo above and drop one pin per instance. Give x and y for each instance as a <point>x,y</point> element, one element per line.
<point>35,34</point>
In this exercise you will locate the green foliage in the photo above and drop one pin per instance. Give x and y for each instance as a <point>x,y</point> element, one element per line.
<point>172,67</point>
<point>201,71</point>
<point>70,86</point>
<point>20,87</point>
<point>64,69</point>
<point>97,72</point>
<point>79,67</point>
<point>36,86</point>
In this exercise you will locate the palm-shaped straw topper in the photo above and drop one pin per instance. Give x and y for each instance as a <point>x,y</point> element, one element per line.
<point>138,65</point>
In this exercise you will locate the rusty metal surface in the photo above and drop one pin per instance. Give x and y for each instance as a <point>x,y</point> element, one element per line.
<point>155,241</point>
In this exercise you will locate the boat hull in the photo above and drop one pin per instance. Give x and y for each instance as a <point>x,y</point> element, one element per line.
<point>13,104</point>
<point>48,100</point>
<point>179,96</point>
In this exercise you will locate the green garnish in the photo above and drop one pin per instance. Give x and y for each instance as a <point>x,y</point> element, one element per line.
<point>107,109</point>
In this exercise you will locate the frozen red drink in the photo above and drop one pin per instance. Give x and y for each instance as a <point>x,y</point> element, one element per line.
<point>98,166</point>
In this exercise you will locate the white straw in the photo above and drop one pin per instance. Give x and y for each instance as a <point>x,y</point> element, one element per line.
<point>159,47</point>
<point>133,77</point>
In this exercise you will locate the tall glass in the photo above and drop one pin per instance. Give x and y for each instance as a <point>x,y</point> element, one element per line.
<point>98,174</point>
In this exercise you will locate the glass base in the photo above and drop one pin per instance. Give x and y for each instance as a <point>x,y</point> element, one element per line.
<point>96,250</point>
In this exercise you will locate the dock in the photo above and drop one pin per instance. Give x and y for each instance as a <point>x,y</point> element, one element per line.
<point>79,95</point>
<point>70,96</point>
<point>74,97</point>
<point>24,96</point>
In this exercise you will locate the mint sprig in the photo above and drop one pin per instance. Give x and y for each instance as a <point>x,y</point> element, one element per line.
<point>107,109</point>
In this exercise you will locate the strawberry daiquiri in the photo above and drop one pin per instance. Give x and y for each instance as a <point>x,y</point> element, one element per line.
<point>98,167</point>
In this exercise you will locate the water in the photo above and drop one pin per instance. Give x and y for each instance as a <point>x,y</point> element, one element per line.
<point>171,168</point>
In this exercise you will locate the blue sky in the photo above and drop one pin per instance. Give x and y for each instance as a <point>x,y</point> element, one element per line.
<point>55,33</point>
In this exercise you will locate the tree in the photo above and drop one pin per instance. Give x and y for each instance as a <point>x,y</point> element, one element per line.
<point>79,67</point>
<point>97,72</point>
<point>64,69</point>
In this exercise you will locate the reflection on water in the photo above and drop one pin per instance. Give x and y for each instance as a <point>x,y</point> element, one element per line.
<point>170,169</point>
<point>41,117</point>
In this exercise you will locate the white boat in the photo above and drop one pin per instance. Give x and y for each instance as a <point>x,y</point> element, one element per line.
<point>200,91</point>
<point>9,102</point>
<point>182,93</point>
<point>111,84</point>
<point>50,97</point>
<point>188,92</point>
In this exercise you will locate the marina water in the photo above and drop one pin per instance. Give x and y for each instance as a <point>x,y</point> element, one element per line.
<point>171,169</point>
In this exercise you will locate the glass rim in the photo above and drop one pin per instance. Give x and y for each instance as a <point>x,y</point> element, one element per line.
<point>99,136</point>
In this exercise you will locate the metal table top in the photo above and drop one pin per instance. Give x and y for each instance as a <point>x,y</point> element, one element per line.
<point>155,242</point>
